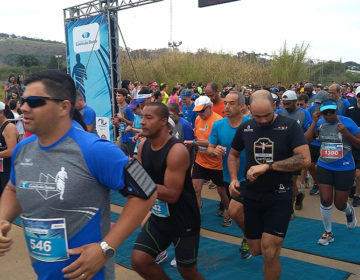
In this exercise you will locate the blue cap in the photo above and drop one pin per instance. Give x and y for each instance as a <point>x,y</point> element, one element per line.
<point>328,104</point>
<point>274,90</point>
<point>185,93</point>
<point>140,100</point>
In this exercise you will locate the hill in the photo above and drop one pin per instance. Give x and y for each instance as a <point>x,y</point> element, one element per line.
<point>10,48</point>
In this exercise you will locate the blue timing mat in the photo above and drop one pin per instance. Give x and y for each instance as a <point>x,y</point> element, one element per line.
<point>220,260</point>
<point>302,234</point>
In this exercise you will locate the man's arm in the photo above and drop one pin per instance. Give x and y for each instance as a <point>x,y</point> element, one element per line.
<point>177,163</point>
<point>216,150</point>
<point>233,167</point>
<point>10,134</point>
<point>9,209</point>
<point>300,159</point>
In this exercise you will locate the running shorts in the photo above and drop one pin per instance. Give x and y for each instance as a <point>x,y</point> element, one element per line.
<point>341,180</point>
<point>200,172</point>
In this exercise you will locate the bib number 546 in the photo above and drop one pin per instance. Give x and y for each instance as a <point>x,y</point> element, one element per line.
<point>40,245</point>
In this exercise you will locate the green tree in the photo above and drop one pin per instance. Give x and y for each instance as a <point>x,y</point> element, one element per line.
<point>289,66</point>
<point>27,60</point>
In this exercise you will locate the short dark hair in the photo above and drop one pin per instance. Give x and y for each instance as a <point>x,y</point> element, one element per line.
<point>213,86</point>
<point>303,97</point>
<point>57,84</point>
<point>162,110</point>
<point>13,103</point>
<point>122,91</point>
<point>125,84</point>
<point>175,106</point>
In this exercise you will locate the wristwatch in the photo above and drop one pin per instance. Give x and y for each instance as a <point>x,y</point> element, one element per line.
<point>270,163</point>
<point>108,251</point>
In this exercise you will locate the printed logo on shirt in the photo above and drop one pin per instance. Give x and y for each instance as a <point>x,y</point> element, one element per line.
<point>248,129</point>
<point>28,162</point>
<point>281,128</point>
<point>48,186</point>
<point>263,150</point>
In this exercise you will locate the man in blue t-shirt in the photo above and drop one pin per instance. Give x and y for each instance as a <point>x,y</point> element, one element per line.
<point>335,92</point>
<point>221,136</point>
<point>122,120</point>
<point>60,182</point>
<point>88,114</point>
<point>187,107</point>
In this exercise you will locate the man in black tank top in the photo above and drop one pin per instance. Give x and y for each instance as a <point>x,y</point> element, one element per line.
<point>8,140</point>
<point>175,215</point>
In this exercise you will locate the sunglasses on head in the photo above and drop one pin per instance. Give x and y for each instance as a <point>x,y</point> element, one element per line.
<point>329,112</point>
<point>37,101</point>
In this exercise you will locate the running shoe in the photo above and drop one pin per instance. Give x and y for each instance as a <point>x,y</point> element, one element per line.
<point>244,250</point>
<point>173,262</point>
<point>227,221</point>
<point>162,257</point>
<point>356,201</point>
<point>314,190</point>
<point>299,201</point>
<point>326,238</point>
<point>351,219</point>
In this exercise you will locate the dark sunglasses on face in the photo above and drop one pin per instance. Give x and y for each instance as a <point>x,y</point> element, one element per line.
<point>203,110</point>
<point>329,112</point>
<point>37,101</point>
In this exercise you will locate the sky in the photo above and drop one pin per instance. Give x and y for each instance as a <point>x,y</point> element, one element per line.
<point>330,27</point>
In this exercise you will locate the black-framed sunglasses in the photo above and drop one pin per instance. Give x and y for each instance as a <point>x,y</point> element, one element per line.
<point>328,112</point>
<point>203,110</point>
<point>37,101</point>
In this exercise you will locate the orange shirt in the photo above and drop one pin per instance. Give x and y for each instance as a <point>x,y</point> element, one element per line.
<point>202,132</point>
<point>219,109</point>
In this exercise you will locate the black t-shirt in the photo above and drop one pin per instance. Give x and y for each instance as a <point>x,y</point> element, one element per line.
<point>263,144</point>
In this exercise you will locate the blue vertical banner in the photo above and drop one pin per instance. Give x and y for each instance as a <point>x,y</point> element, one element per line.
<point>88,62</point>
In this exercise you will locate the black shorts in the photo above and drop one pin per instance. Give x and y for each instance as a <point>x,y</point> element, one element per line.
<point>214,175</point>
<point>153,240</point>
<point>314,152</point>
<point>270,216</point>
<point>341,180</point>
<point>239,198</point>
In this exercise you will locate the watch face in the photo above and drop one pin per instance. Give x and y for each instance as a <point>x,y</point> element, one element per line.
<point>110,253</point>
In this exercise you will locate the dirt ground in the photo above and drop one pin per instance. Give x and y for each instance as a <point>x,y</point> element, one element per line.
<point>16,264</point>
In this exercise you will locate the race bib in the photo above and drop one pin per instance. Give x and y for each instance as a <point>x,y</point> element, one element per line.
<point>202,149</point>
<point>160,209</point>
<point>46,239</point>
<point>1,165</point>
<point>332,150</point>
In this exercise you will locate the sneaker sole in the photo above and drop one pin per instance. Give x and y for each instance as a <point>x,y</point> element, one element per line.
<point>355,223</point>
<point>246,258</point>
<point>325,244</point>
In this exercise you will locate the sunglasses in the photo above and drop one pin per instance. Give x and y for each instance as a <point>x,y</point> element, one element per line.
<point>329,112</point>
<point>37,101</point>
<point>203,110</point>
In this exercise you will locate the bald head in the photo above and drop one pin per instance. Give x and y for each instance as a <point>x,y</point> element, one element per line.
<point>261,96</point>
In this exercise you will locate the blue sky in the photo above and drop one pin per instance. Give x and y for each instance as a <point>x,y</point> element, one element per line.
<point>330,27</point>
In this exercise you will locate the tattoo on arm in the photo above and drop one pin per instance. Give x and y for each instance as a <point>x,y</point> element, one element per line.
<point>290,164</point>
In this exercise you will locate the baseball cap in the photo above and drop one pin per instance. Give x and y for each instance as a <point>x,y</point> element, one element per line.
<point>319,85</point>
<point>185,93</point>
<point>289,95</point>
<point>321,96</point>
<point>328,104</point>
<point>201,103</point>
<point>357,92</point>
<point>274,96</point>
<point>171,122</point>
<point>2,106</point>
<point>134,103</point>
<point>152,84</point>
<point>144,93</point>
<point>274,90</point>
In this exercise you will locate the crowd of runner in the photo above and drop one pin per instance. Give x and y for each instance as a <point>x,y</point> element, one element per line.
<point>259,146</point>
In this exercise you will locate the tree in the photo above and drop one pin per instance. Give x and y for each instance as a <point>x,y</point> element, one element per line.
<point>289,66</point>
<point>27,60</point>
